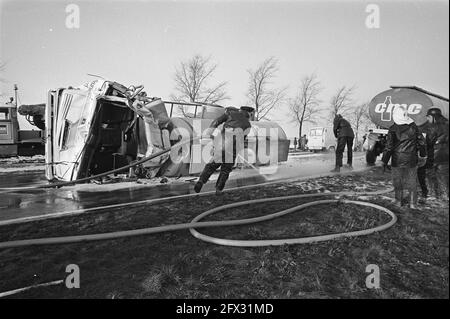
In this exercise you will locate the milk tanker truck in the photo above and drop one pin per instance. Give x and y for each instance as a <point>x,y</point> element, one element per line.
<point>415,100</point>
<point>103,125</point>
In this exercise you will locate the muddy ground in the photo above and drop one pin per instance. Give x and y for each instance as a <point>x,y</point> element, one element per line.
<point>412,255</point>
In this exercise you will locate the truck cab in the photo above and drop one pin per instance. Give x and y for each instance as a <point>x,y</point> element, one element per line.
<point>9,128</point>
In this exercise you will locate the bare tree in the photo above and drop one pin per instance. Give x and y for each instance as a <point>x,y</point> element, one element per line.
<point>261,93</point>
<point>305,106</point>
<point>192,81</point>
<point>341,102</point>
<point>359,119</point>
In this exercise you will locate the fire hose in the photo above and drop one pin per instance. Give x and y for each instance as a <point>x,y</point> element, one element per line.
<point>220,241</point>
<point>196,223</point>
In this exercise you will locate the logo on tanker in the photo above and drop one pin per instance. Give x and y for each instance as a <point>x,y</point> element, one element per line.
<point>386,108</point>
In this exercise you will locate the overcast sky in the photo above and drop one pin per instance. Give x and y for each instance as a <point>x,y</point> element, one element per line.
<point>141,42</point>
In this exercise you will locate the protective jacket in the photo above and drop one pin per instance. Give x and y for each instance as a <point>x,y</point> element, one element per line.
<point>437,142</point>
<point>342,128</point>
<point>403,143</point>
<point>232,118</point>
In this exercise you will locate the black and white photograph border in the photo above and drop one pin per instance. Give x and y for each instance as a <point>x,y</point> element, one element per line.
<point>224,155</point>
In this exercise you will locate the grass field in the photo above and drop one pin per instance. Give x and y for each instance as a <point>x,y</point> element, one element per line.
<point>412,255</point>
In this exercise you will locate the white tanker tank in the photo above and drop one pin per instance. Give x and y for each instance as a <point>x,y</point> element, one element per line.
<point>415,100</point>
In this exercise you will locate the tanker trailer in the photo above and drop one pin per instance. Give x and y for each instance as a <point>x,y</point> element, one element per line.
<point>415,100</point>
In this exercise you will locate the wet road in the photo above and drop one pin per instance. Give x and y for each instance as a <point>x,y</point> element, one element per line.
<point>26,203</point>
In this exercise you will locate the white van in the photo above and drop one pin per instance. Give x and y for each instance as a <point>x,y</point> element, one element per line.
<point>321,139</point>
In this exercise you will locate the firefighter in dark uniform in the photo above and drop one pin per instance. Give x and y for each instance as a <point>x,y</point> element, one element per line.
<point>236,125</point>
<point>344,133</point>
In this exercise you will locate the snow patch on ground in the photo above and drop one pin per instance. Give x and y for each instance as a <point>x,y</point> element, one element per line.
<point>22,163</point>
<point>23,159</point>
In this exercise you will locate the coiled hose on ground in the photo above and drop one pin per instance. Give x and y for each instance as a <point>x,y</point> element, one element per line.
<point>196,223</point>
<point>228,242</point>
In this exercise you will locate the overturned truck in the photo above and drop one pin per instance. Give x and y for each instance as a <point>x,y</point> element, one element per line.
<point>104,125</point>
<point>415,100</point>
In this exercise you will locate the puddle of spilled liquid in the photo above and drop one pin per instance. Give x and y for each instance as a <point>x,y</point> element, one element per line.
<point>26,203</point>
<point>46,201</point>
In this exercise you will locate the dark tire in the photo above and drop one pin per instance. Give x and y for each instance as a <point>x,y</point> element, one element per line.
<point>371,157</point>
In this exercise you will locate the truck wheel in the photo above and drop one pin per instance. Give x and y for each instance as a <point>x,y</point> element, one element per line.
<point>371,157</point>
<point>331,149</point>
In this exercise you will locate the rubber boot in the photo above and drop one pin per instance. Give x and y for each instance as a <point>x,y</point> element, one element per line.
<point>198,187</point>
<point>398,198</point>
<point>337,169</point>
<point>413,199</point>
<point>220,184</point>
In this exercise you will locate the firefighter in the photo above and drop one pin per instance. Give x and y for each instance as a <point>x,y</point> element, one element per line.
<point>437,142</point>
<point>344,133</point>
<point>235,127</point>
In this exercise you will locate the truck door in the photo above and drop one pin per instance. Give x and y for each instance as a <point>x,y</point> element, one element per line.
<point>67,142</point>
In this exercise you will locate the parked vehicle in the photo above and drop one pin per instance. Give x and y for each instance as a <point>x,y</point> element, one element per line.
<point>321,139</point>
<point>14,141</point>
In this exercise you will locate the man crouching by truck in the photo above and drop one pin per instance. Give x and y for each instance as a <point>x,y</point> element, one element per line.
<point>344,134</point>
<point>236,125</point>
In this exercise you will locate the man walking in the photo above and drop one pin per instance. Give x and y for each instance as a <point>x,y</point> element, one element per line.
<point>344,133</point>
<point>235,127</point>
